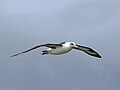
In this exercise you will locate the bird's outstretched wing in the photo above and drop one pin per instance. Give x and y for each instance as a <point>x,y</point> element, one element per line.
<point>88,50</point>
<point>52,45</point>
<point>47,45</point>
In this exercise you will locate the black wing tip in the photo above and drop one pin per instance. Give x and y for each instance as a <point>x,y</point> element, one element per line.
<point>98,56</point>
<point>15,55</point>
<point>12,56</point>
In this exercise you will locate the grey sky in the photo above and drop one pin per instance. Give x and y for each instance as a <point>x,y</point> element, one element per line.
<point>26,23</point>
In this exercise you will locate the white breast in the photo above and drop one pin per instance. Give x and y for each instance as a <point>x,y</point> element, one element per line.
<point>59,50</point>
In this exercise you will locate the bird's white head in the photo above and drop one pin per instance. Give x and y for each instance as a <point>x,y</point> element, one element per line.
<point>71,44</point>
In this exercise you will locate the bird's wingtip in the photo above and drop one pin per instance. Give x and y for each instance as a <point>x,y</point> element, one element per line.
<point>98,56</point>
<point>12,56</point>
<point>15,55</point>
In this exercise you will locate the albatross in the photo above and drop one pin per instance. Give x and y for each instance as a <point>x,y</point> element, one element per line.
<point>62,48</point>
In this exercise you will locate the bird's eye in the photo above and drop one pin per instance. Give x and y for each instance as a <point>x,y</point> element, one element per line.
<point>71,44</point>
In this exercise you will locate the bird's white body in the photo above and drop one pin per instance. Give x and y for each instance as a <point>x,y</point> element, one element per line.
<point>60,50</point>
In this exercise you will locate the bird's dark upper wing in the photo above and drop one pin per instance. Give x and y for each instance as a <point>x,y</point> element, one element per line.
<point>62,42</point>
<point>52,45</point>
<point>47,45</point>
<point>88,50</point>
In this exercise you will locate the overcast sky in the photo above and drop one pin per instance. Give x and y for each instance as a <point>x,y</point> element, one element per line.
<point>26,23</point>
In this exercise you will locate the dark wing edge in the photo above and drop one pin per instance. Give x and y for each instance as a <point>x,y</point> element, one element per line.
<point>27,50</point>
<point>53,45</point>
<point>88,50</point>
<point>62,42</point>
<point>47,45</point>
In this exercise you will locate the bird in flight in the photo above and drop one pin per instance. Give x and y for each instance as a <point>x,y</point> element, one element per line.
<point>61,48</point>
